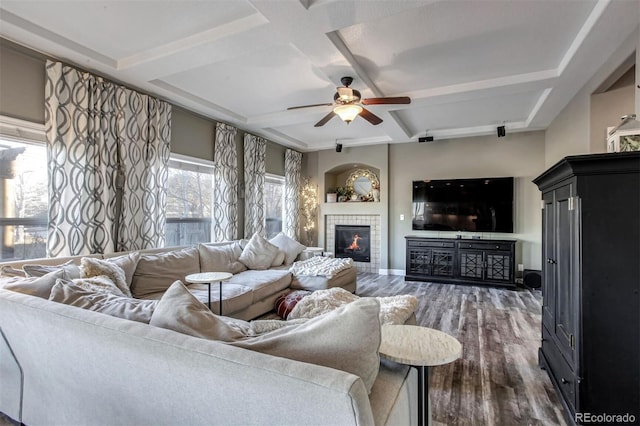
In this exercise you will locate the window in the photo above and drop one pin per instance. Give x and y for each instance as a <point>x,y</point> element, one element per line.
<point>189,201</point>
<point>273,204</point>
<point>24,199</point>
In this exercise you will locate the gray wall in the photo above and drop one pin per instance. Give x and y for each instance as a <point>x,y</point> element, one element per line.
<point>606,110</point>
<point>22,80</point>
<point>520,155</point>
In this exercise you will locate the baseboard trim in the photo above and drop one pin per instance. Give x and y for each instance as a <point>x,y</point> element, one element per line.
<point>399,272</point>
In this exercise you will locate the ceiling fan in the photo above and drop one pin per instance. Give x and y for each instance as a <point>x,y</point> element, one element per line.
<point>348,105</point>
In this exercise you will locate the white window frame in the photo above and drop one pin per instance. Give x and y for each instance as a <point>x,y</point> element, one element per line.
<point>199,165</point>
<point>275,179</point>
<point>28,133</point>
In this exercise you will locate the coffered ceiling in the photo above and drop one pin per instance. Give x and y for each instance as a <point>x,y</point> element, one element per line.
<point>468,65</point>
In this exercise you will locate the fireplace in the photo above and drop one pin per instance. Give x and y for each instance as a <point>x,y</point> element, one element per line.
<point>353,241</point>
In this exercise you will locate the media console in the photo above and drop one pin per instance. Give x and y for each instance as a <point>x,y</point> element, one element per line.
<point>461,261</point>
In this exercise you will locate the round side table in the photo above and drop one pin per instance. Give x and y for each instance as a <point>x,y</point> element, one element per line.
<point>208,278</point>
<point>421,348</point>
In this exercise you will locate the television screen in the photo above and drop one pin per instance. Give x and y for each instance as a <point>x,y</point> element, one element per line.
<point>475,205</point>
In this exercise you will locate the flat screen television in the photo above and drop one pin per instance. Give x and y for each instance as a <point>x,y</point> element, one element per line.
<point>474,205</point>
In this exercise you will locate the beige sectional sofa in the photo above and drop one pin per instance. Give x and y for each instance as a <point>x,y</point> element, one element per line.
<point>247,295</point>
<point>63,365</point>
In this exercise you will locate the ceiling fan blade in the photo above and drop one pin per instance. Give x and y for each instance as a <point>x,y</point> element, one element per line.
<point>380,101</point>
<point>325,119</point>
<point>308,106</point>
<point>370,117</point>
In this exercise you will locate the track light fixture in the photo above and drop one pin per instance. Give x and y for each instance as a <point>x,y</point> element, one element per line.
<point>501,131</point>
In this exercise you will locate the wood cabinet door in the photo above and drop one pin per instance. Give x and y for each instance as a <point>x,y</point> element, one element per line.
<point>563,264</point>
<point>548,254</point>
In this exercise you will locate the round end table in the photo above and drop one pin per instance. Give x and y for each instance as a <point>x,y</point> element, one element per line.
<point>208,278</point>
<point>421,348</point>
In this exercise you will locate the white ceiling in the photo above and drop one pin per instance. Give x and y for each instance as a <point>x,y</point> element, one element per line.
<point>468,65</point>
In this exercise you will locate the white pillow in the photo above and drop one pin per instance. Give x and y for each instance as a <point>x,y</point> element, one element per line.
<point>290,247</point>
<point>90,267</point>
<point>259,253</point>
<point>279,259</point>
<point>221,258</point>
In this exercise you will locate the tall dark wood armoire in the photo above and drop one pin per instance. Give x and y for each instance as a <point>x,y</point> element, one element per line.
<point>590,284</point>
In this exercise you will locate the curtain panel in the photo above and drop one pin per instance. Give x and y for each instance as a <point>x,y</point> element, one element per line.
<point>255,149</point>
<point>225,189</point>
<point>107,150</point>
<point>292,168</point>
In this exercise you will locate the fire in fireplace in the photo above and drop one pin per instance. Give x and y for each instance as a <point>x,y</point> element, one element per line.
<point>353,241</point>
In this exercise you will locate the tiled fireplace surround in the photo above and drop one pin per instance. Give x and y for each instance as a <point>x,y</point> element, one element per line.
<point>373,221</point>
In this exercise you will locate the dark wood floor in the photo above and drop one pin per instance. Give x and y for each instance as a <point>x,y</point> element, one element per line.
<point>497,380</point>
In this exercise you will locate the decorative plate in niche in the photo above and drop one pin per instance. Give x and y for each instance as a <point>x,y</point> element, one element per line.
<point>363,182</point>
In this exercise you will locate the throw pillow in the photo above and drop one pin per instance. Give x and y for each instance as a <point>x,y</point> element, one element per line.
<point>346,339</point>
<point>258,253</point>
<point>279,259</point>
<point>180,311</point>
<point>70,270</point>
<point>69,293</point>
<point>37,286</point>
<point>290,247</point>
<point>10,271</point>
<point>156,272</point>
<point>221,258</point>
<point>90,267</point>
<point>285,303</point>
<point>128,263</point>
<point>100,283</point>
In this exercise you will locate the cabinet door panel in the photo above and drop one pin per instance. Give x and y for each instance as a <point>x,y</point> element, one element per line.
<point>498,267</point>
<point>548,254</point>
<point>565,306</point>
<point>442,262</point>
<point>420,261</point>
<point>471,264</point>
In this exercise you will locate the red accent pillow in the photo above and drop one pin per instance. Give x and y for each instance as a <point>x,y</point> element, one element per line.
<point>286,302</point>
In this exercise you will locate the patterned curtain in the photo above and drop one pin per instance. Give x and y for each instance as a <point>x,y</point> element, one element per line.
<point>108,150</point>
<point>225,189</point>
<point>292,167</point>
<point>255,149</point>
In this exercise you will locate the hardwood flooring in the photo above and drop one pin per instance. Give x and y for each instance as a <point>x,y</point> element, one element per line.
<point>497,380</point>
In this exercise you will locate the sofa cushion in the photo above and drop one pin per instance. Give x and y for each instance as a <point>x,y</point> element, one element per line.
<point>235,297</point>
<point>36,286</point>
<point>347,339</point>
<point>221,258</point>
<point>128,262</point>
<point>259,253</point>
<point>180,311</point>
<point>263,283</point>
<point>290,247</point>
<point>70,270</point>
<point>156,272</point>
<point>90,267</point>
<point>70,293</point>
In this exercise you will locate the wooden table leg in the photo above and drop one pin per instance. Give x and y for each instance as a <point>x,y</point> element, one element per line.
<point>424,415</point>
<point>220,306</point>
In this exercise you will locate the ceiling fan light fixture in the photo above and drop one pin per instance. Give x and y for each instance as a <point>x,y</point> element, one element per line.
<point>348,112</point>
